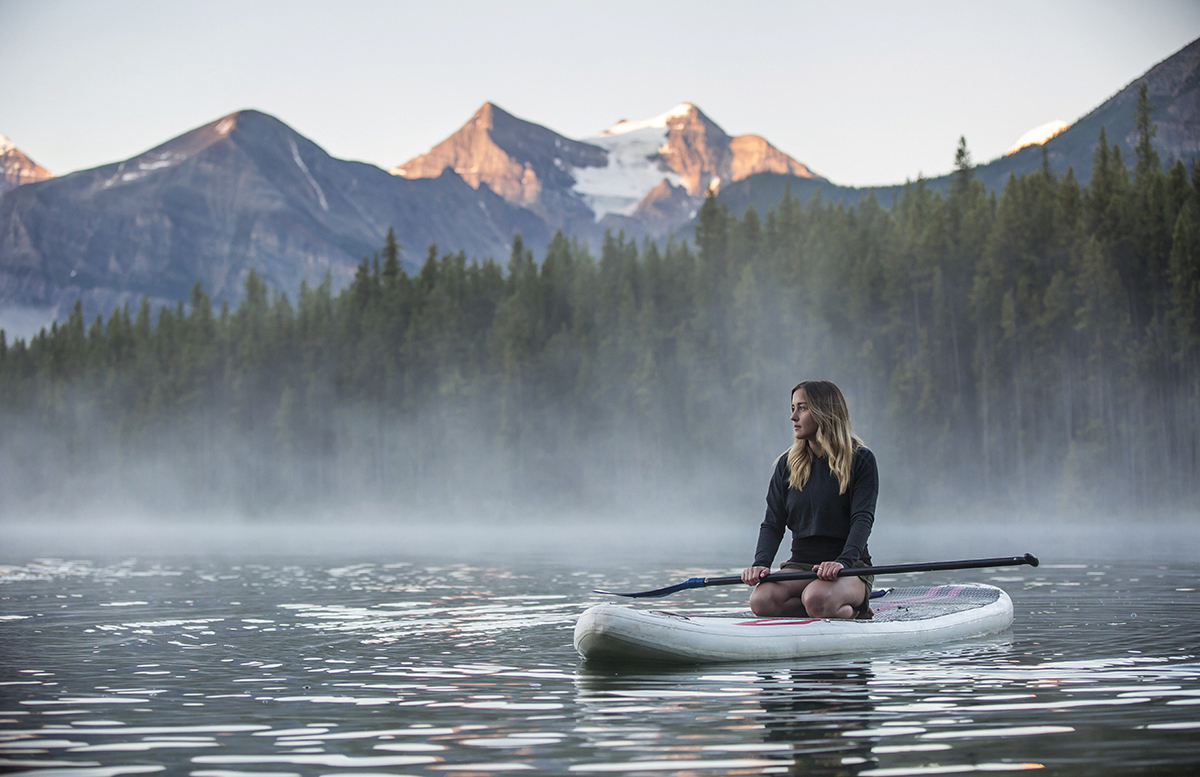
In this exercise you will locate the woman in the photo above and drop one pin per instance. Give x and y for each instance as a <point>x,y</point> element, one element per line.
<point>824,490</point>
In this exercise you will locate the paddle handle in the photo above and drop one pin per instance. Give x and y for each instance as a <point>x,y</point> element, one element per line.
<point>892,569</point>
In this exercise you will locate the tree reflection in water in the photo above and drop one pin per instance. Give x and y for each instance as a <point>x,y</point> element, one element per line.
<point>726,718</point>
<point>816,711</point>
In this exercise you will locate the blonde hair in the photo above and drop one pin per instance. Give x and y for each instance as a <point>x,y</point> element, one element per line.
<point>834,435</point>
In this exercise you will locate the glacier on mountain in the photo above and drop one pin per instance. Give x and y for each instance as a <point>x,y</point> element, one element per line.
<point>632,169</point>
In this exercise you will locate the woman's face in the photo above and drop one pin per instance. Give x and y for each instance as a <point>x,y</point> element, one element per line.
<point>803,424</point>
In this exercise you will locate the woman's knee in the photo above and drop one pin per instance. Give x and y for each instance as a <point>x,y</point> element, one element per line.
<point>769,600</point>
<point>762,602</point>
<point>821,601</point>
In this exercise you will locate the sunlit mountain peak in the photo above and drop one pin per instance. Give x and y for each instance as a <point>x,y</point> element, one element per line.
<point>1038,135</point>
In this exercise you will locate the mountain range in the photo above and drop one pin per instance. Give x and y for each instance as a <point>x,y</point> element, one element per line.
<point>246,191</point>
<point>647,177</point>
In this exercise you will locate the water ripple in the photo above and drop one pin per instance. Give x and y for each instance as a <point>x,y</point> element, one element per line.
<point>225,669</point>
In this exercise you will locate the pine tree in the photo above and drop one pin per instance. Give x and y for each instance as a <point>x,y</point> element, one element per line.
<point>1150,233</point>
<point>391,260</point>
<point>1184,275</point>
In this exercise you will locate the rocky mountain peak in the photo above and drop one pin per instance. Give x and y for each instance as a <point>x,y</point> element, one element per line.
<point>698,152</point>
<point>525,163</point>
<point>16,168</point>
<point>259,139</point>
<point>697,149</point>
<point>664,208</point>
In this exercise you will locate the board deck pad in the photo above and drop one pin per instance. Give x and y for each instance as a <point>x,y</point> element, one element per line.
<point>906,604</point>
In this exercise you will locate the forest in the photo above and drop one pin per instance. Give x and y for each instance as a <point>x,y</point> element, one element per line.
<point>1035,350</point>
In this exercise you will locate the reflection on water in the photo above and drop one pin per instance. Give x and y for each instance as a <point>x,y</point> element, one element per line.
<point>822,715</point>
<point>221,669</point>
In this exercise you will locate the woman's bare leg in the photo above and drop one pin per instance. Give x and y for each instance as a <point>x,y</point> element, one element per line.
<point>834,598</point>
<point>780,600</point>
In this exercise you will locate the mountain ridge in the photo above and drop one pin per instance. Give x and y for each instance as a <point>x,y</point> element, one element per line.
<point>244,191</point>
<point>1173,87</point>
<point>604,178</point>
<point>247,191</point>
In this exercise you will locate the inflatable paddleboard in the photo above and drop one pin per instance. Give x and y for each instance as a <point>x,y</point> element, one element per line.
<point>904,618</point>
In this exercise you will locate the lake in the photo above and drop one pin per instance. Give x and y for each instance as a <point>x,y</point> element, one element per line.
<point>380,649</point>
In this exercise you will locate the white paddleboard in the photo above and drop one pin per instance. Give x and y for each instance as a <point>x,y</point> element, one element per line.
<point>904,618</point>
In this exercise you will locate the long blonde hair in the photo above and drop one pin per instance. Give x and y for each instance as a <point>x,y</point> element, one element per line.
<point>834,435</point>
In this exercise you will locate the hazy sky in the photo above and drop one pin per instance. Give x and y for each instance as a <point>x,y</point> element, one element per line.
<point>863,92</point>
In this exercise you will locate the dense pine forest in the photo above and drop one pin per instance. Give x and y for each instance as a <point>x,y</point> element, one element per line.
<point>1035,350</point>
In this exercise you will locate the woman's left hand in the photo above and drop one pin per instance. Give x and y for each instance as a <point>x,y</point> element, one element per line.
<point>827,570</point>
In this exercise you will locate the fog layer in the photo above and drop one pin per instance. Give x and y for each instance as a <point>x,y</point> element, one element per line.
<point>1035,354</point>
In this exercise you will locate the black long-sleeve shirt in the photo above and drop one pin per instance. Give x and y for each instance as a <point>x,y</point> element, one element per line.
<point>823,522</point>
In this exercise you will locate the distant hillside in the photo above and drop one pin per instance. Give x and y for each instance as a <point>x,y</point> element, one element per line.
<point>245,191</point>
<point>1174,91</point>
<point>1173,86</point>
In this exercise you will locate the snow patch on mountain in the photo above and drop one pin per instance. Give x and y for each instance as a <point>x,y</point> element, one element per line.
<point>658,122</point>
<point>633,167</point>
<point>308,176</point>
<point>1038,135</point>
<point>142,166</point>
<point>6,145</point>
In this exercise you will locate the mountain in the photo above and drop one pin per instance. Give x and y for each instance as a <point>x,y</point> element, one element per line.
<point>1173,87</point>
<point>17,169</point>
<point>245,191</point>
<point>647,177</point>
<point>525,163</point>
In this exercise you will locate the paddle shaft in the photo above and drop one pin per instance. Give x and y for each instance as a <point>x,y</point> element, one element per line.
<point>891,569</point>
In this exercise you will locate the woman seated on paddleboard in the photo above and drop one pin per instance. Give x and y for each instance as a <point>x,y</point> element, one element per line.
<point>824,490</point>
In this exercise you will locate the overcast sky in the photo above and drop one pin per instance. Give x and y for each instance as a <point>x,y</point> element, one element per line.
<point>863,92</point>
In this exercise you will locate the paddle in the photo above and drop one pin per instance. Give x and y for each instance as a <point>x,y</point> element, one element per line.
<point>894,569</point>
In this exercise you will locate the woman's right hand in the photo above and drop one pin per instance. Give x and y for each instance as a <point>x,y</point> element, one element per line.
<point>754,575</point>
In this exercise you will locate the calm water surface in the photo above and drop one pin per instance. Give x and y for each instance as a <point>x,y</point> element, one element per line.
<point>328,665</point>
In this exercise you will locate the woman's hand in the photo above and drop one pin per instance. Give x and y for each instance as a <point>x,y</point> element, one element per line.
<point>754,575</point>
<point>826,570</point>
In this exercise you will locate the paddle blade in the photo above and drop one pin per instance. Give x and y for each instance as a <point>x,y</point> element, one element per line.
<point>691,582</point>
